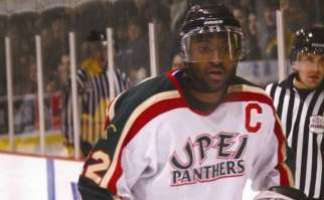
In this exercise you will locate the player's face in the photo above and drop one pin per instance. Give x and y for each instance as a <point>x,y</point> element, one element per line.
<point>213,64</point>
<point>310,69</point>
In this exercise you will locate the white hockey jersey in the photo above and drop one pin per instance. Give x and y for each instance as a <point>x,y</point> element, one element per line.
<point>158,147</point>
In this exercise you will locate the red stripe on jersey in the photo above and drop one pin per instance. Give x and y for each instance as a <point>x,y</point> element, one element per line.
<point>175,81</point>
<point>249,96</point>
<point>85,167</point>
<point>283,170</point>
<point>234,96</point>
<point>107,122</point>
<point>143,118</point>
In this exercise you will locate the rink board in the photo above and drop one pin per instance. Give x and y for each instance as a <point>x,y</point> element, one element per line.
<point>41,178</point>
<point>38,178</point>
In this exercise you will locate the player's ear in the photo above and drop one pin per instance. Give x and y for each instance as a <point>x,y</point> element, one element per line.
<point>295,66</point>
<point>182,57</point>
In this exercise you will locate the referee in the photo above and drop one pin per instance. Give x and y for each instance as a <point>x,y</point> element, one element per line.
<point>93,95</point>
<point>299,101</point>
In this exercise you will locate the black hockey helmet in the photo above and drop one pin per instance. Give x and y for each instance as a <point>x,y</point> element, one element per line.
<point>206,16</point>
<point>208,20</point>
<point>308,41</point>
<point>281,193</point>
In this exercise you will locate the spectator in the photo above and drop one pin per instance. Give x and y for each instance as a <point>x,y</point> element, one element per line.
<point>134,56</point>
<point>268,39</point>
<point>247,22</point>
<point>60,76</point>
<point>177,62</point>
<point>254,52</point>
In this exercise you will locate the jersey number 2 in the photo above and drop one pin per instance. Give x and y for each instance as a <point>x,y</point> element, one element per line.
<point>92,169</point>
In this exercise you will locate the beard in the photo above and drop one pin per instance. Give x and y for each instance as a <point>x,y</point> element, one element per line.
<point>197,79</point>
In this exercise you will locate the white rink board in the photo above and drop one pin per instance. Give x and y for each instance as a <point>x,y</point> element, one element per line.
<point>22,177</point>
<point>67,175</point>
<point>40,178</point>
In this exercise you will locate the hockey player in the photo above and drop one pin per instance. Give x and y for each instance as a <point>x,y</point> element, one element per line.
<point>196,133</point>
<point>299,101</point>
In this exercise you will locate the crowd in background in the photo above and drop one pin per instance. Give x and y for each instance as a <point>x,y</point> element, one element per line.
<point>129,19</point>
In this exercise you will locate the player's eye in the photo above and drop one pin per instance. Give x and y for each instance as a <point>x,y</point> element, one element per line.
<point>307,58</point>
<point>321,61</point>
<point>204,49</point>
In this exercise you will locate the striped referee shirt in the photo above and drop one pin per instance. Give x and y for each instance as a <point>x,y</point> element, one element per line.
<point>302,117</point>
<point>93,96</point>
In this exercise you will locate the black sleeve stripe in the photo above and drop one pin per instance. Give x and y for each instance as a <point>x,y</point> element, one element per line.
<point>306,137</point>
<point>280,102</point>
<point>272,91</point>
<point>313,167</point>
<point>290,112</point>
<point>318,152</point>
<point>322,177</point>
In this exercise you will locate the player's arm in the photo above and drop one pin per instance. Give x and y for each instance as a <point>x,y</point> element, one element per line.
<point>286,178</point>
<point>117,161</point>
<point>99,161</point>
<point>90,190</point>
<point>270,168</point>
<point>89,184</point>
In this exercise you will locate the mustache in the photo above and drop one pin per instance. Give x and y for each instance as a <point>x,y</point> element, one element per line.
<point>218,66</point>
